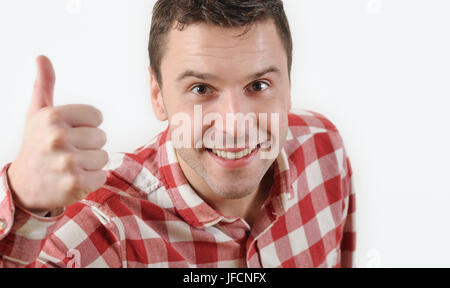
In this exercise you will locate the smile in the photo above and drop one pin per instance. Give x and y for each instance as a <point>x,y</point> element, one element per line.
<point>233,155</point>
<point>234,158</point>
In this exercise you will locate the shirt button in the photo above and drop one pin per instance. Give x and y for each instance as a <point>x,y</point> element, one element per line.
<point>2,224</point>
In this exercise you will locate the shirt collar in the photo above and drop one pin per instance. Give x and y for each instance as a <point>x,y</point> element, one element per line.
<point>193,209</point>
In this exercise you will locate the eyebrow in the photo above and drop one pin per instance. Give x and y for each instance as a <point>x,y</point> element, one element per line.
<point>195,74</point>
<point>271,69</point>
<point>206,76</point>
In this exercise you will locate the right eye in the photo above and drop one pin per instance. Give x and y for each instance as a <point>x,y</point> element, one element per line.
<point>202,89</point>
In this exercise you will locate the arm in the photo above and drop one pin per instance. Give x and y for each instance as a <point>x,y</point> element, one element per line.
<point>348,243</point>
<point>77,238</point>
<point>59,163</point>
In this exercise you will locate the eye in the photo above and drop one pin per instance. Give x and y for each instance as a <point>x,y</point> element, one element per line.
<point>202,89</point>
<point>258,86</point>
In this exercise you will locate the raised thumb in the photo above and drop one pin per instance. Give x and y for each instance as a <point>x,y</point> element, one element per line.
<point>43,85</point>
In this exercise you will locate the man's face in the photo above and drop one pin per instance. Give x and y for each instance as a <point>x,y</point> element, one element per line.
<point>210,68</point>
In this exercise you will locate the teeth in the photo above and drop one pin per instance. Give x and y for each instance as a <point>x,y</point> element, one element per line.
<point>233,156</point>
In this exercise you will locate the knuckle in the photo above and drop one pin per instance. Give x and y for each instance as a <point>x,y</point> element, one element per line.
<point>53,116</point>
<point>72,184</point>
<point>66,162</point>
<point>57,138</point>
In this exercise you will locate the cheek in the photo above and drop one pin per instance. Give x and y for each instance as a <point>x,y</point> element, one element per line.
<point>181,123</point>
<point>277,121</point>
<point>192,157</point>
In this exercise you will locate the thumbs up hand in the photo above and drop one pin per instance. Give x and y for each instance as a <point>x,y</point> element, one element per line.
<point>60,160</point>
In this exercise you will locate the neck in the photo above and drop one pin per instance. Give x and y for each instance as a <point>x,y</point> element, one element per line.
<point>247,208</point>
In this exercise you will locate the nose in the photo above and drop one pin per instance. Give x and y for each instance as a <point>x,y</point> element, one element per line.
<point>231,102</point>
<point>231,105</point>
<point>234,110</point>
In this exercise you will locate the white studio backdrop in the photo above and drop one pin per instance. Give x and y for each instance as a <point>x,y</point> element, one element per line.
<point>379,69</point>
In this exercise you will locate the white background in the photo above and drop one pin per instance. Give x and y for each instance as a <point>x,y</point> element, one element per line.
<point>380,70</point>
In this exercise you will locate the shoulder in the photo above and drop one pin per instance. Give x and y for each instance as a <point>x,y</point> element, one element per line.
<point>314,145</point>
<point>307,119</point>
<point>306,124</point>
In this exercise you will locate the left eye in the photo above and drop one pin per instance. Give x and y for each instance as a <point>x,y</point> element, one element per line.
<point>258,86</point>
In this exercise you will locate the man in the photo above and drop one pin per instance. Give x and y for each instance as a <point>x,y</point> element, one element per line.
<point>188,198</point>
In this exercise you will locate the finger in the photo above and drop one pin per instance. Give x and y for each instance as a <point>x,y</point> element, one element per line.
<point>92,181</point>
<point>92,160</point>
<point>87,138</point>
<point>43,85</point>
<point>79,115</point>
<point>89,182</point>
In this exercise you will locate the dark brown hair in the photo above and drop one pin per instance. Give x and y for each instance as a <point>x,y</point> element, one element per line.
<point>224,13</point>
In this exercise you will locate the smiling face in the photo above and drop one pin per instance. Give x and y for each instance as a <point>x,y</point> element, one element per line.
<point>225,74</point>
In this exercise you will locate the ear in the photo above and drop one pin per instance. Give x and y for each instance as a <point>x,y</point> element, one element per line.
<point>290,97</point>
<point>156,96</point>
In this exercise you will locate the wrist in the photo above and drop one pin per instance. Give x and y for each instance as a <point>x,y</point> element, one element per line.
<point>17,198</point>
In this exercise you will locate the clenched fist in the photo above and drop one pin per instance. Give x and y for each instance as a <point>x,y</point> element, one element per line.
<point>60,160</point>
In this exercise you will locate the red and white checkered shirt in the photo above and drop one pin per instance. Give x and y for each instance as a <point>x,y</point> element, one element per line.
<point>147,215</point>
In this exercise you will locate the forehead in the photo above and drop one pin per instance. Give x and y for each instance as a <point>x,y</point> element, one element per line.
<point>212,49</point>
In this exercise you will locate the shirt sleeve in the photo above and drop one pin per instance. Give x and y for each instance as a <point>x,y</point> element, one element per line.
<point>348,243</point>
<point>6,205</point>
<point>82,236</point>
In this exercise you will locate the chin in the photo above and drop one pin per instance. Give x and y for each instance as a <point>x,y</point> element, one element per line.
<point>236,184</point>
<point>237,190</point>
<point>226,183</point>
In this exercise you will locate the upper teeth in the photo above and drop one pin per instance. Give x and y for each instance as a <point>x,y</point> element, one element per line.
<point>231,155</point>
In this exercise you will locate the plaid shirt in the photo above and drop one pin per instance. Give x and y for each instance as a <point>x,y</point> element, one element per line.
<point>147,215</point>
